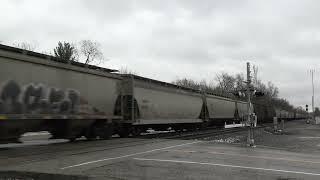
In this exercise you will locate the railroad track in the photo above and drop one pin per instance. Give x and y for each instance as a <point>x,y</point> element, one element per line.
<point>173,134</point>
<point>209,133</point>
<point>36,153</point>
<point>199,134</point>
<point>83,147</point>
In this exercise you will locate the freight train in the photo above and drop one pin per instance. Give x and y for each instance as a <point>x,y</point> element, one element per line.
<point>39,92</point>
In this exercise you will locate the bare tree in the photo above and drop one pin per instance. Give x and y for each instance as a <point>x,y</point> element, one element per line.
<point>188,83</point>
<point>197,85</point>
<point>206,87</point>
<point>125,70</point>
<point>91,50</point>
<point>240,82</point>
<point>272,90</point>
<point>25,46</point>
<point>226,83</point>
<point>66,51</point>
<point>47,53</point>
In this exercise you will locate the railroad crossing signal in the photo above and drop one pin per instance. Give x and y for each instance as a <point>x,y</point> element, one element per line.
<point>251,118</point>
<point>255,93</point>
<point>307,107</point>
<point>258,93</point>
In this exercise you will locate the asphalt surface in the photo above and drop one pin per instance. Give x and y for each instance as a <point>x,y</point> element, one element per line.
<point>159,159</point>
<point>298,136</point>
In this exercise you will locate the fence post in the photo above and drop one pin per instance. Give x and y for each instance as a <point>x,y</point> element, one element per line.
<point>282,124</point>
<point>275,123</point>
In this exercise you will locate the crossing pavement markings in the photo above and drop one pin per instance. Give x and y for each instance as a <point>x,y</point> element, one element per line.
<point>249,156</point>
<point>128,155</point>
<point>264,157</point>
<point>228,165</point>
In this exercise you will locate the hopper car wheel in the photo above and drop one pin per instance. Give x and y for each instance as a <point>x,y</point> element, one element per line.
<point>135,131</point>
<point>89,135</point>
<point>107,131</point>
<point>101,130</point>
<point>204,125</point>
<point>178,128</point>
<point>124,134</point>
<point>124,131</point>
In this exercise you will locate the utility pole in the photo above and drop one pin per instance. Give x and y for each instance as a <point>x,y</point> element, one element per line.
<point>312,74</point>
<point>250,139</point>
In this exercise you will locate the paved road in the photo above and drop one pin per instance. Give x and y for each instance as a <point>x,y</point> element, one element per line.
<point>161,159</point>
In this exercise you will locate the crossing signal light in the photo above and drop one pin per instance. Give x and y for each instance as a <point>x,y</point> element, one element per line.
<point>258,93</point>
<point>307,107</point>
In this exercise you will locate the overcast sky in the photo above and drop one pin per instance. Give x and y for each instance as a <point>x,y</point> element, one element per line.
<point>171,39</point>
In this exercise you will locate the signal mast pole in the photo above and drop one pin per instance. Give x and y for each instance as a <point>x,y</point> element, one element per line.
<point>312,72</point>
<point>250,139</point>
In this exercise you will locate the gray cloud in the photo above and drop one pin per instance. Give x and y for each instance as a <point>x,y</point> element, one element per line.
<point>182,38</point>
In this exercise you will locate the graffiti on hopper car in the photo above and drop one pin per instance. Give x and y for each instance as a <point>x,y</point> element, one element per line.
<point>39,98</point>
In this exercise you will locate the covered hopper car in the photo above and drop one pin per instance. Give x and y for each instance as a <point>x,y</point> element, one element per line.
<point>39,92</point>
<point>145,103</point>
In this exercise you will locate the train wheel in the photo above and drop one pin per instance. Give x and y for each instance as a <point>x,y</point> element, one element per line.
<point>90,134</point>
<point>73,139</point>
<point>178,128</point>
<point>66,129</point>
<point>124,131</point>
<point>107,131</point>
<point>135,131</point>
<point>101,129</point>
<point>204,125</point>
